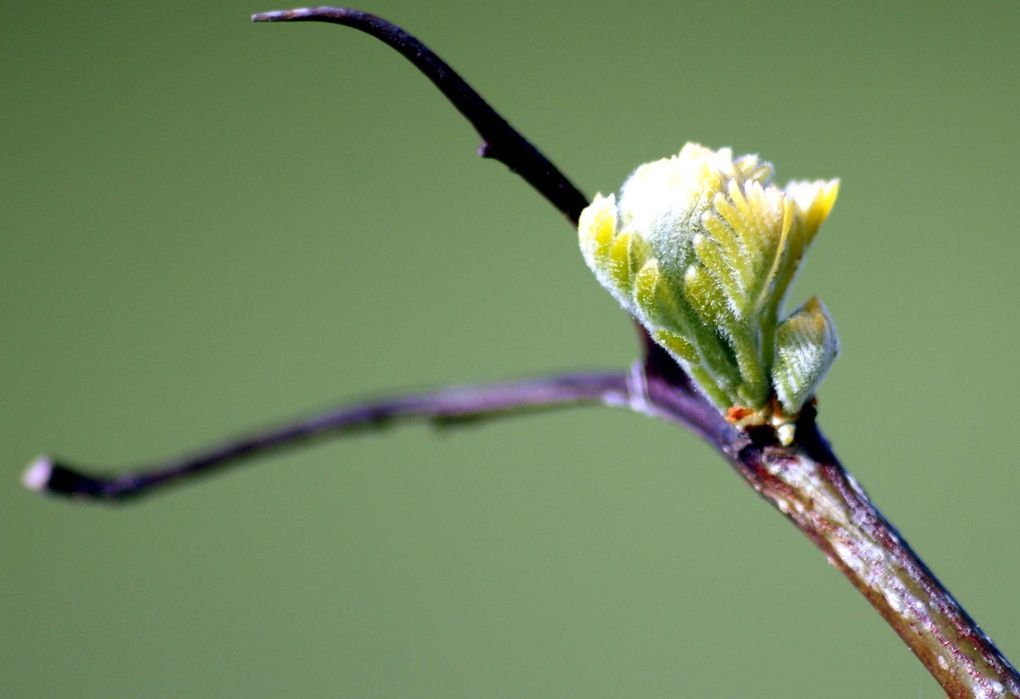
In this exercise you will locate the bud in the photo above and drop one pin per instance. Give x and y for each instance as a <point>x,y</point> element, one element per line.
<point>701,249</point>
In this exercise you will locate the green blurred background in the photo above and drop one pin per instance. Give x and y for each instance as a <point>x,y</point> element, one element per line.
<point>209,225</point>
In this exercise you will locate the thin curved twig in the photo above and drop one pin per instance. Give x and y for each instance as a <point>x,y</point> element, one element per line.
<point>501,141</point>
<point>446,407</point>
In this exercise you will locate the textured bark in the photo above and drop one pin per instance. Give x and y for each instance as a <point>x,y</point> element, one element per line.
<point>809,486</point>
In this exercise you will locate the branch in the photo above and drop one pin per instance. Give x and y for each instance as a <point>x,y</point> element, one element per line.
<point>804,481</point>
<point>500,140</point>
<point>445,407</point>
<point>809,486</point>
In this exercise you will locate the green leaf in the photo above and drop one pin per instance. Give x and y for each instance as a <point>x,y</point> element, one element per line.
<point>806,346</point>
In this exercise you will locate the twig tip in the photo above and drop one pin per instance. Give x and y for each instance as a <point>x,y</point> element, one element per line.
<point>37,474</point>
<point>298,13</point>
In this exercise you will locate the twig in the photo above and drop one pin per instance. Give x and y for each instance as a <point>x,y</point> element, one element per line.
<point>500,140</point>
<point>445,407</point>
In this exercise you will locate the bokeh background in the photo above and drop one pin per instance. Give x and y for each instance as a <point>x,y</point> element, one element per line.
<point>209,225</point>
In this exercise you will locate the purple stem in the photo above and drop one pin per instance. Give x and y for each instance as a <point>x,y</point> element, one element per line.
<point>810,487</point>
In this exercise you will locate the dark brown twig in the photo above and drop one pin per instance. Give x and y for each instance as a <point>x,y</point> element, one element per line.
<point>500,140</point>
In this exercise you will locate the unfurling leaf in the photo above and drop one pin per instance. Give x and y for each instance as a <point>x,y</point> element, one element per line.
<point>806,346</point>
<point>701,249</point>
